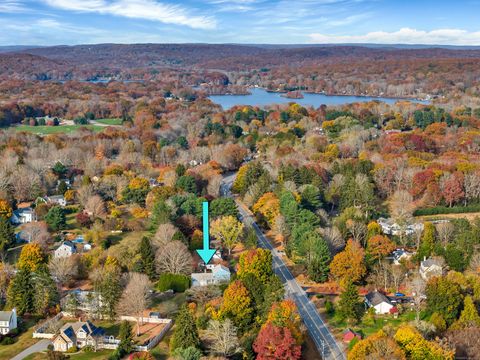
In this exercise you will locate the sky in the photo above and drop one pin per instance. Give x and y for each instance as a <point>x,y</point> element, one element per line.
<point>71,22</point>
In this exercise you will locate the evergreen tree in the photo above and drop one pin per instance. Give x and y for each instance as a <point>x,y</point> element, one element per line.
<point>45,291</point>
<point>126,338</point>
<point>20,294</point>
<point>185,334</point>
<point>147,258</point>
<point>7,234</point>
<point>109,288</point>
<point>469,316</point>
<point>349,306</point>
<point>314,252</point>
<point>160,214</point>
<point>56,218</point>
<point>62,187</point>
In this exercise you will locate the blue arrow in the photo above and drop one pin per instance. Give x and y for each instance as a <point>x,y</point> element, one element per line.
<point>206,253</point>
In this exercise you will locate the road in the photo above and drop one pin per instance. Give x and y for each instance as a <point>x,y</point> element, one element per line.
<point>37,347</point>
<point>326,344</point>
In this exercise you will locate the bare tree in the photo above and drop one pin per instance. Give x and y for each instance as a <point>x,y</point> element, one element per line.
<point>213,187</point>
<point>223,338</point>
<point>203,294</point>
<point>84,193</point>
<point>174,258</point>
<point>397,274</point>
<point>37,232</point>
<point>163,235</point>
<point>135,297</point>
<point>445,232</point>
<point>471,184</point>
<point>63,269</point>
<point>417,287</point>
<point>95,207</point>
<point>358,230</point>
<point>334,239</point>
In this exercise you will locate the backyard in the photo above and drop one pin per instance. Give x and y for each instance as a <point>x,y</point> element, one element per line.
<point>61,129</point>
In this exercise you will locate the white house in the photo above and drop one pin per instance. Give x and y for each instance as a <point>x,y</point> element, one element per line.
<point>379,302</point>
<point>8,321</point>
<point>390,227</point>
<point>220,274</point>
<point>57,200</point>
<point>67,249</point>
<point>430,267</point>
<point>23,216</point>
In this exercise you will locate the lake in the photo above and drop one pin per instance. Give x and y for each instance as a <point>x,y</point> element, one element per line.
<point>261,97</point>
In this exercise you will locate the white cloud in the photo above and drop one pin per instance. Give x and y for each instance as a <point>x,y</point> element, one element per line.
<point>138,9</point>
<point>404,36</point>
<point>11,6</point>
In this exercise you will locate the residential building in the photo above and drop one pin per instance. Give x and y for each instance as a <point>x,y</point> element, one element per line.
<point>57,200</point>
<point>430,267</point>
<point>78,334</point>
<point>67,249</point>
<point>23,216</point>
<point>379,302</point>
<point>349,335</point>
<point>220,274</point>
<point>390,227</point>
<point>8,321</point>
<point>400,255</point>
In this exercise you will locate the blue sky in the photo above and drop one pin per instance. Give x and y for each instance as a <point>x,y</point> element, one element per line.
<point>49,22</point>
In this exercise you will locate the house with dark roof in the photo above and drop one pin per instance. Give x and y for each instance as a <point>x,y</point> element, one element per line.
<point>78,334</point>
<point>379,302</point>
<point>23,216</point>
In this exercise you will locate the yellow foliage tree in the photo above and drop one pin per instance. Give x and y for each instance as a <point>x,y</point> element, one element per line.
<point>237,303</point>
<point>417,348</point>
<point>349,264</point>
<point>69,195</point>
<point>5,209</point>
<point>376,346</point>
<point>268,206</point>
<point>228,230</point>
<point>139,183</point>
<point>285,314</point>
<point>31,257</point>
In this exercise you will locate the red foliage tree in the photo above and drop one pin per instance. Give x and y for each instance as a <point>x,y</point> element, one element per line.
<point>453,190</point>
<point>276,343</point>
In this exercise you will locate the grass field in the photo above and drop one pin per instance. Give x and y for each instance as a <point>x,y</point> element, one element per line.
<point>99,355</point>
<point>22,342</point>
<point>62,129</point>
<point>110,121</point>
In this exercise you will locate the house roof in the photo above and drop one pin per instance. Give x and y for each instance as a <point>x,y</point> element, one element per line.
<point>202,276</point>
<point>69,244</point>
<point>5,315</point>
<point>56,197</point>
<point>375,298</point>
<point>22,211</point>
<point>219,267</point>
<point>429,262</point>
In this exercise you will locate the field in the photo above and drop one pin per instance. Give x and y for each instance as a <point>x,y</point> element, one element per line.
<point>110,121</point>
<point>61,129</point>
<point>22,341</point>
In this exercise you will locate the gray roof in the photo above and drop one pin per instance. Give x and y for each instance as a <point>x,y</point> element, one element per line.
<point>375,298</point>
<point>430,262</point>
<point>5,315</point>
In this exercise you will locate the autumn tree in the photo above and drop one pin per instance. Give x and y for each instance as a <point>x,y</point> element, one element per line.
<point>444,297</point>
<point>257,262</point>
<point>276,343</point>
<point>31,257</point>
<point>376,346</point>
<point>228,230</point>
<point>267,207</point>
<point>64,269</point>
<point>417,348</point>
<point>469,316</point>
<point>378,247</point>
<point>237,305</point>
<point>452,189</point>
<point>5,209</point>
<point>285,314</point>
<point>349,265</point>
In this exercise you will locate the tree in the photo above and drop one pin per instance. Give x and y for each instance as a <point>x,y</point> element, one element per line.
<point>126,339</point>
<point>223,207</point>
<point>6,211</point>
<point>469,316</point>
<point>185,334</point>
<point>106,283</point>
<point>20,293</point>
<point>56,218</point>
<point>267,207</point>
<point>237,305</point>
<point>7,234</point>
<point>95,207</point>
<point>276,343</point>
<point>349,265</point>
<point>349,305</point>
<point>444,297</point>
<point>31,257</point>
<point>174,258</point>
<point>147,258</point>
<point>315,254</point>
<point>257,262</point>
<point>376,346</point>
<point>190,353</point>
<point>223,337</point>
<point>452,189</point>
<point>285,314</point>
<point>427,241</point>
<point>187,183</point>
<point>417,288</point>
<point>378,247</point>
<point>228,230</point>
<point>416,347</point>
<point>160,213</point>
<point>46,295</point>
<point>135,297</point>
<point>37,232</point>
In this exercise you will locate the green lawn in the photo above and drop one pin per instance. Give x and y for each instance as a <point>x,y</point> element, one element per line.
<point>99,355</point>
<point>115,121</point>
<point>380,322</point>
<point>22,342</point>
<point>62,129</point>
<point>169,308</point>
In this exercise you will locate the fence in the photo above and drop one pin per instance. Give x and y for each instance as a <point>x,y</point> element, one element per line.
<point>39,332</point>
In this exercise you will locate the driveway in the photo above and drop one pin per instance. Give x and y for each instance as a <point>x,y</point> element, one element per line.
<point>37,347</point>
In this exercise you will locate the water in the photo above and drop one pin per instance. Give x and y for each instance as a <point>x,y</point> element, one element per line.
<point>261,97</point>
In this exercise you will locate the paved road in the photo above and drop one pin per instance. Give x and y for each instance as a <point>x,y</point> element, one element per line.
<point>37,347</point>
<point>321,335</point>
